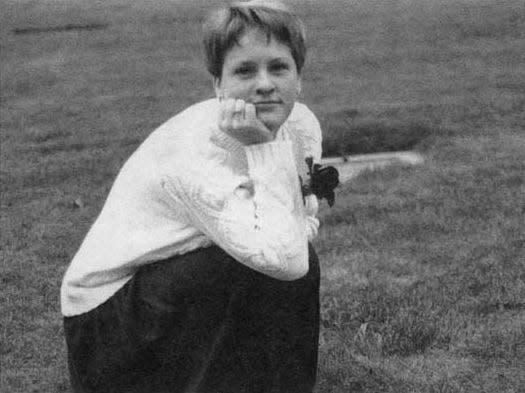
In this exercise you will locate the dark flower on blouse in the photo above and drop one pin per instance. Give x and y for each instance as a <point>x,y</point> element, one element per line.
<point>323,181</point>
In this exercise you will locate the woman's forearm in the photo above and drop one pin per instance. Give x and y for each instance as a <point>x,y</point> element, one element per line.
<point>260,220</point>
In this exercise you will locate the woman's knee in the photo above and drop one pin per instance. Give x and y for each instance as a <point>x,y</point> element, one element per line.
<point>201,274</point>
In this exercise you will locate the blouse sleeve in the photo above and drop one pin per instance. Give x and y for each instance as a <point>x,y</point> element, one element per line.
<point>258,219</point>
<point>311,143</point>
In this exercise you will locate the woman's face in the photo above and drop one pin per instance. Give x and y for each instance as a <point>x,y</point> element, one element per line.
<point>261,72</point>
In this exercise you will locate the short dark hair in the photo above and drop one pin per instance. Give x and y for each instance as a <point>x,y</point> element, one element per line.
<point>224,27</point>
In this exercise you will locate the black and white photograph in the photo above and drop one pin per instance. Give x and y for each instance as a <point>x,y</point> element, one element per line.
<point>262,196</point>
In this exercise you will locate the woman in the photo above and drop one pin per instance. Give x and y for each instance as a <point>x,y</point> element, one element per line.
<point>197,276</point>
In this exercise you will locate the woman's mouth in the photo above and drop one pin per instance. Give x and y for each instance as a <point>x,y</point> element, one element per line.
<point>266,105</point>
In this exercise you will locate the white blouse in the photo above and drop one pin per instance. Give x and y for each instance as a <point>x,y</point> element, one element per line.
<point>189,185</point>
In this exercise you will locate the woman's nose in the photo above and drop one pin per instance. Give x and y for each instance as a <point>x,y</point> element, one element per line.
<point>264,83</point>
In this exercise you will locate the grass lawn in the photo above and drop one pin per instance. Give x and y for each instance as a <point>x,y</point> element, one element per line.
<point>423,268</point>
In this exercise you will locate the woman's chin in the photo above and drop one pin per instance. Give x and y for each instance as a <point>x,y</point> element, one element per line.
<point>272,121</point>
<point>272,124</point>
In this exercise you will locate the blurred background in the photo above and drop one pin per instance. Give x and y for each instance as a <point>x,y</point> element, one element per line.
<point>423,267</point>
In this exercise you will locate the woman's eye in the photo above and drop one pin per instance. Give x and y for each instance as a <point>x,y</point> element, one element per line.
<point>279,67</point>
<point>244,70</point>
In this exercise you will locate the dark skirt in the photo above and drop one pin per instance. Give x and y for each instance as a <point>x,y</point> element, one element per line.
<point>197,323</point>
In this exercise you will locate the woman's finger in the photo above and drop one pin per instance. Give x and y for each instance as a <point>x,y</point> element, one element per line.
<point>237,120</point>
<point>250,113</point>
<point>239,108</point>
<point>226,111</point>
<point>253,120</point>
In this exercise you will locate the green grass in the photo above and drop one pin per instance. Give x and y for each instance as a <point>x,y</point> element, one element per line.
<point>423,282</point>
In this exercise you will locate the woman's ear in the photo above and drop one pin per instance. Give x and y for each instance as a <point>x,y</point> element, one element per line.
<point>298,88</point>
<point>217,87</point>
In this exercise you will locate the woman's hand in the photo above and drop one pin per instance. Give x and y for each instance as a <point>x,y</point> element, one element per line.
<point>238,119</point>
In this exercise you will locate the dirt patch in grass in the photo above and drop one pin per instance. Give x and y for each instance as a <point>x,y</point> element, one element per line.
<point>61,28</point>
<point>347,132</point>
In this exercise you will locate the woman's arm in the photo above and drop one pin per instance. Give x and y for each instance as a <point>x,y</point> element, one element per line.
<point>258,219</point>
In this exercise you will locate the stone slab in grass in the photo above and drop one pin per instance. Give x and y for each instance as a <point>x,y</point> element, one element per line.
<point>350,166</point>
